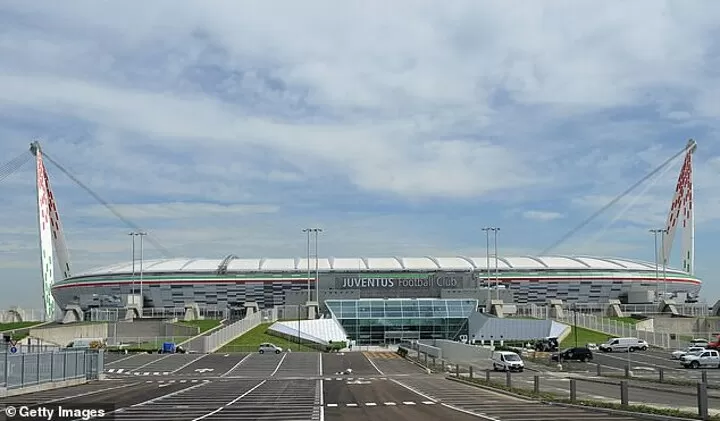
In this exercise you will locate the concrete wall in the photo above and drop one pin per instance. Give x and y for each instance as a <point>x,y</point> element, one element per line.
<point>680,325</point>
<point>63,335</point>
<point>459,352</point>
<point>149,329</point>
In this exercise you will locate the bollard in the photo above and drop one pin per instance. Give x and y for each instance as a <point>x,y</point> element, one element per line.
<point>426,360</point>
<point>702,399</point>
<point>627,370</point>
<point>573,390</point>
<point>470,372</point>
<point>434,364</point>
<point>624,396</point>
<point>457,370</point>
<point>487,376</point>
<point>661,374</point>
<point>536,384</point>
<point>599,369</point>
<point>704,376</point>
<point>508,379</point>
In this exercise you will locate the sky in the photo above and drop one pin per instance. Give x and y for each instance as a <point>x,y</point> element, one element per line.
<point>400,128</point>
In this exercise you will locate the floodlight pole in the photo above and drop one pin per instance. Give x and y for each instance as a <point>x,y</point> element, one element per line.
<point>487,265</point>
<point>132,281</point>
<point>309,298</point>
<point>497,272</point>
<point>657,269</point>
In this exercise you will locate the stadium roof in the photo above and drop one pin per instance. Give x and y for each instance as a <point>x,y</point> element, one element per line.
<point>428,263</point>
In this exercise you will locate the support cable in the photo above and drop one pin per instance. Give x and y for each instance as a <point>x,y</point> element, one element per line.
<point>11,167</point>
<point>103,202</point>
<point>592,217</point>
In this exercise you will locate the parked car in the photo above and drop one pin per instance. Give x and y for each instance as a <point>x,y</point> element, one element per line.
<point>581,354</point>
<point>709,358</point>
<point>676,355</point>
<point>507,361</point>
<point>549,344</point>
<point>624,345</point>
<point>714,344</point>
<point>268,347</point>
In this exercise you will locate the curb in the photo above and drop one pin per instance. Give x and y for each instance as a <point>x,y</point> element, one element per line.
<point>655,417</point>
<point>646,387</point>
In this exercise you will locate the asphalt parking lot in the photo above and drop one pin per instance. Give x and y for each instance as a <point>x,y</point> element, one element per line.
<point>301,386</point>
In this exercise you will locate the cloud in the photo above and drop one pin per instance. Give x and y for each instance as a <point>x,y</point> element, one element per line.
<point>542,215</point>
<point>402,128</point>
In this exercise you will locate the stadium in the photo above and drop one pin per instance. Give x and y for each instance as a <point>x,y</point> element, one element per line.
<point>231,282</point>
<point>234,282</point>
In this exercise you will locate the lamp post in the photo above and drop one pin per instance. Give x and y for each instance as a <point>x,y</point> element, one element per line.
<point>140,234</point>
<point>575,323</point>
<point>497,272</point>
<point>309,296</point>
<point>664,262</point>
<point>132,284</point>
<point>487,265</point>
<point>655,233</point>
<point>317,268</point>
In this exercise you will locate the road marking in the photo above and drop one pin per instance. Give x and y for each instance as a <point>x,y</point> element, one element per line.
<point>279,364</point>
<point>332,405</point>
<point>390,404</point>
<point>157,373</point>
<point>351,404</point>
<point>373,364</point>
<point>370,404</point>
<point>408,403</point>
<point>209,414</point>
<point>320,364</point>
<point>123,359</point>
<point>147,373</point>
<point>93,392</point>
<point>194,360</point>
<point>428,402</point>
<point>177,392</point>
<point>151,362</point>
<point>236,365</point>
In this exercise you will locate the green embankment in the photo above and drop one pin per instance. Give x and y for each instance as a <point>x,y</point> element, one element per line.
<point>584,336</point>
<point>18,330</point>
<point>204,325</point>
<point>250,341</point>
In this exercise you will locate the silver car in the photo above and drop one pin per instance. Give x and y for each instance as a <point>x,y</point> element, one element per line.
<point>268,347</point>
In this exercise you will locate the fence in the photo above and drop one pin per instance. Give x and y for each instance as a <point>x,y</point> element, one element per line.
<point>549,390</point>
<point>220,337</point>
<point>29,369</point>
<point>540,311</point>
<point>615,328</point>
<point>145,343</point>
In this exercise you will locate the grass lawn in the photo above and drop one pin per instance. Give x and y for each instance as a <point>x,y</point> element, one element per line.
<point>626,320</point>
<point>584,336</point>
<point>4,327</point>
<point>204,325</point>
<point>250,341</point>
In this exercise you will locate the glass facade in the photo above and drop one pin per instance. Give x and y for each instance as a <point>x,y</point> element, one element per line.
<point>391,320</point>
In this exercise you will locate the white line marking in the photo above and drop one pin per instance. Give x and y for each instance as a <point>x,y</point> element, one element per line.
<point>320,364</point>
<point>454,408</point>
<point>370,404</point>
<point>332,405</point>
<point>373,364</point>
<point>194,360</point>
<point>209,414</point>
<point>177,392</point>
<point>236,365</point>
<point>390,404</point>
<point>147,373</point>
<point>156,373</point>
<point>87,393</point>
<point>428,402</point>
<point>120,370</point>
<point>408,403</point>
<point>351,404</point>
<point>151,362</point>
<point>279,364</point>
<point>112,370</point>
<point>123,359</point>
<point>322,393</point>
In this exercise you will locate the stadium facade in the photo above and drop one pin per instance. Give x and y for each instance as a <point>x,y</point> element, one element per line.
<point>270,282</point>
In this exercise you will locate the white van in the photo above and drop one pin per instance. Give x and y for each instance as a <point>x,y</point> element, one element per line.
<point>87,343</point>
<point>623,345</point>
<point>507,361</point>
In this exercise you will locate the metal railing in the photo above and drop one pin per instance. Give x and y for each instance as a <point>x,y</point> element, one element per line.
<point>221,337</point>
<point>147,343</point>
<point>614,328</point>
<point>686,309</point>
<point>30,369</point>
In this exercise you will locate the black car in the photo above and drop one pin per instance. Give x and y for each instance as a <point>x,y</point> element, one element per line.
<point>573,354</point>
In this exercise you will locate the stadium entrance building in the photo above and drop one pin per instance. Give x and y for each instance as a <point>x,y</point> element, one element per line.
<point>393,320</point>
